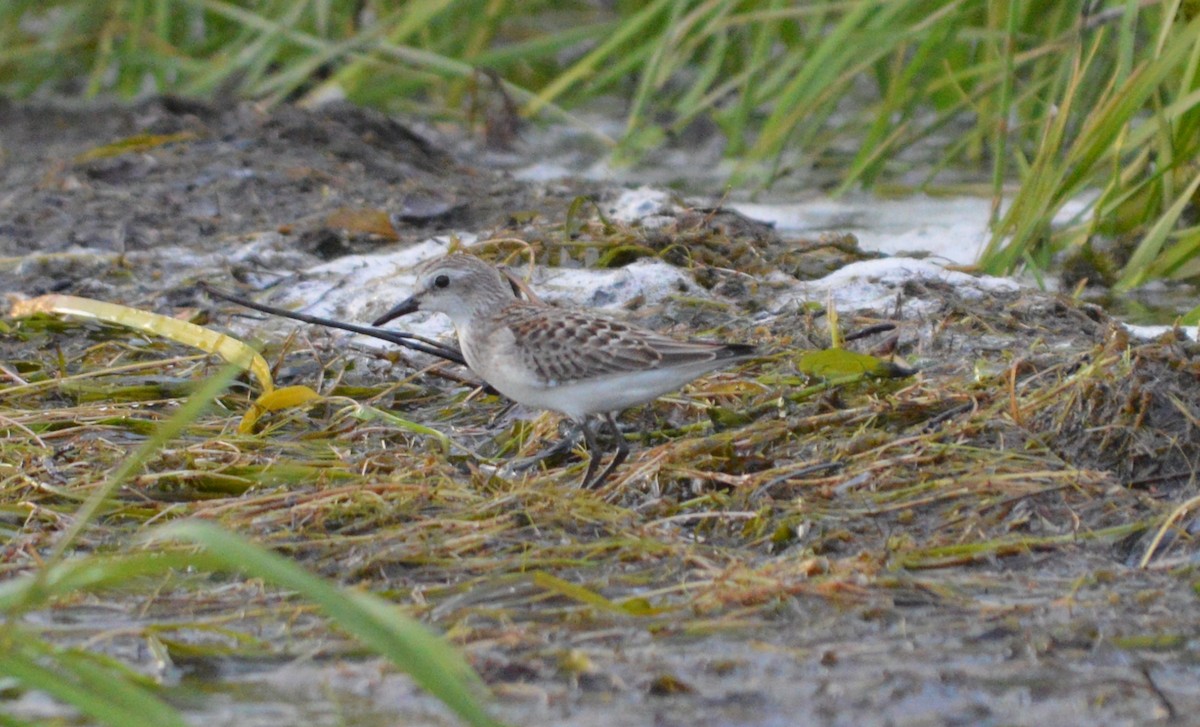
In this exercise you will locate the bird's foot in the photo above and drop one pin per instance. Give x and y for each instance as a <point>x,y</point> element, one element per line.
<point>589,481</point>
<point>565,444</point>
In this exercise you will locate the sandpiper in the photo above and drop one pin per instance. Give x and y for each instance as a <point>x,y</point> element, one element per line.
<point>573,362</point>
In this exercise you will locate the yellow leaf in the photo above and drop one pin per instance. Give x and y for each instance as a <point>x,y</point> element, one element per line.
<point>363,221</point>
<point>284,398</point>
<point>189,334</point>
<point>137,142</point>
<point>574,592</point>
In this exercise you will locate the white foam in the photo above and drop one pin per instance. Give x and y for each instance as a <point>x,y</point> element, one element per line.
<point>876,284</point>
<point>357,288</point>
<point>650,279</point>
<point>955,230</point>
<point>1148,333</point>
<point>647,206</point>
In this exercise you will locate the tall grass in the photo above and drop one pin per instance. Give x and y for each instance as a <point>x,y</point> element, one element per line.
<point>1046,100</point>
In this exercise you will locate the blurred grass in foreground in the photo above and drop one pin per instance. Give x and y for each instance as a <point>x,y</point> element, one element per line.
<point>1062,99</point>
<point>107,690</point>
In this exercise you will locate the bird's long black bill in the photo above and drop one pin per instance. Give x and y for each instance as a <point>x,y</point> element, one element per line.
<point>401,338</point>
<point>402,309</point>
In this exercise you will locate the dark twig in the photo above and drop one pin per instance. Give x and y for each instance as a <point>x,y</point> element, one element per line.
<point>401,338</point>
<point>869,331</point>
<point>1172,713</point>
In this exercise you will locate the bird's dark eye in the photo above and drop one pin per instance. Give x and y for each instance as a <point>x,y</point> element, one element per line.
<point>441,281</point>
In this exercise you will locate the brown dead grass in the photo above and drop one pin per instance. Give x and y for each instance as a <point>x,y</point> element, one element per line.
<point>750,488</point>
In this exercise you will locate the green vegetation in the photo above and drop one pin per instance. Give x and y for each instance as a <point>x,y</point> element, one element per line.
<point>109,691</point>
<point>1048,102</point>
<point>797,476</point>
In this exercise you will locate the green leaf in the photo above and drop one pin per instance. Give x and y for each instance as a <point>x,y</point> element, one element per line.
<point>1191,318</point>
<point>1139,265</point>
<point>838,362</point>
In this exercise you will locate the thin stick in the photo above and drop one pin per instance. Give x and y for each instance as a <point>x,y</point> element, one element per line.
<point>401,338</point>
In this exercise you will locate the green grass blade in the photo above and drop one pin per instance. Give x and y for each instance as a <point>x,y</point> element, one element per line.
<point>1139,266</point>
<point>433,663</point>
<point>76,679</point>
<point>819,72</point>
<point>630,29</point>
<point>411,17</point>
<point>195,405</point>
<point>89,573</point>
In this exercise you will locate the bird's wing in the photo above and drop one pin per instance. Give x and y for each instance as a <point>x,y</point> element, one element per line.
<point>566,345</point>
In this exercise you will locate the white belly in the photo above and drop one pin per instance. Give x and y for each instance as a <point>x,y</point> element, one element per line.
<point>497,363</point>
<point>598,395</point>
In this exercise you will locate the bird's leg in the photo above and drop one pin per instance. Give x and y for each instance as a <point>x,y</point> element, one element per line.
<point>618,456</point>
<point>564,444</point>
<point>593,455</point>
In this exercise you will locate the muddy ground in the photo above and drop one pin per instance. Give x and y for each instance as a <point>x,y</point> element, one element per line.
<point>957,547</point>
